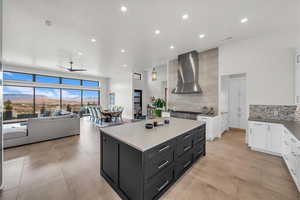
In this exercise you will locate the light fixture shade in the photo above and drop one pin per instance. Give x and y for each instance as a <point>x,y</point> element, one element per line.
<point>154,75</point>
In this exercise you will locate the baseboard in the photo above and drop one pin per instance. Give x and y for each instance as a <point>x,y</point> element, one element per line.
<point>267,152</point>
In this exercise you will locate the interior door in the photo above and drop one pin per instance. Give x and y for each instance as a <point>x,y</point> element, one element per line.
<point>234,103</point>
<point>237,103</point>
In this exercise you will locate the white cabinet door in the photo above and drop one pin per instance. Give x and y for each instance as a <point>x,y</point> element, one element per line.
<point>298,167</point>
<point>297,78</point>
<point>275,136</point>
<point>259,134</point>
<point>208,125</point>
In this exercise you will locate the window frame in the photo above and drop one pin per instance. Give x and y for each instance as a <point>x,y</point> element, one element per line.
<point>137,74</point>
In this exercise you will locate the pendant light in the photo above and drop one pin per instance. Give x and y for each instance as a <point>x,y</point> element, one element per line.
<point>154,75</point>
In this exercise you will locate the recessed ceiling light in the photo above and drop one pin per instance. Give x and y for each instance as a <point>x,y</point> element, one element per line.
<point>202,36</point>
<point>244,20</point>
<point>124,65</point>
<point>157,32</point>
<point>80,53</point>
<point>93,40</point>
<point>172,47</point>
<point>123,8</point>
<point>185,16</point>
<point>122,50</point>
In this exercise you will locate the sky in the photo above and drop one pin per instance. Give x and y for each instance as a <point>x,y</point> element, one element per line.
<point>68,94</point>
<point>47,79</point>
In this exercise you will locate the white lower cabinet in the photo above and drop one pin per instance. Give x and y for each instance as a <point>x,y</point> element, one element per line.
<point>265,137</point>
<point>213,126</point>
<point>277,140</point>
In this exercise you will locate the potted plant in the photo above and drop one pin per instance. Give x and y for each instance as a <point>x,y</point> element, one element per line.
<point>8,110</point>
<point>159,105</point>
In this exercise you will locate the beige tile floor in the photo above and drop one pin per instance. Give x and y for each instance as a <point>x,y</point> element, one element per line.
<point>69,169</point>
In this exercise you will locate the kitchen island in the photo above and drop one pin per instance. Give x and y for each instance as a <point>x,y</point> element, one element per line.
<point>141,164</point>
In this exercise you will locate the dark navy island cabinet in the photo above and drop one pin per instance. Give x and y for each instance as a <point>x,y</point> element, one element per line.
<point>138,175</point>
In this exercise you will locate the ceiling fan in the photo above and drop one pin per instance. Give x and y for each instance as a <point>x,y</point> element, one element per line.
<point>71,69</point>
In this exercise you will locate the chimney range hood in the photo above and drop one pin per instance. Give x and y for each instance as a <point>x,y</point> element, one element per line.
<point>187,74</point>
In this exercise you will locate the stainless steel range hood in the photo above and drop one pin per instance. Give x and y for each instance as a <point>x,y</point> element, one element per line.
<point>188,72</point>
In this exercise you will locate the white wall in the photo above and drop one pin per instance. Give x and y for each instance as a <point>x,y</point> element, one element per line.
<point>121,85</point>
<point>268,62</point>
<point>102,80</point>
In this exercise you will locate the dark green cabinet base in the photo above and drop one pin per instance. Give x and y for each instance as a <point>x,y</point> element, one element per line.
<point>137,175</point>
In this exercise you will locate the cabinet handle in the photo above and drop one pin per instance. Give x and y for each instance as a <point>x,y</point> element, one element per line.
<point>186,148</point>
<point>187,164</point>
<point>164,164</point>
<point>163,186</point>
<point>199,152</point>
<point>164,148</point>
<point>187,136</point>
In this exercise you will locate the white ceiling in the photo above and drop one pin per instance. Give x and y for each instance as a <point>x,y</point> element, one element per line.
<point>28,41</point>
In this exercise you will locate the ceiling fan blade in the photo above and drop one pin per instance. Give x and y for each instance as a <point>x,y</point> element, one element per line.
<point>77,70</point>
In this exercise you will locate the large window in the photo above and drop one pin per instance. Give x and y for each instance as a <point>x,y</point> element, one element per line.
<point>90,83</point>
<point>17,76</point>
<point>70,81</point>
<point>47,101</point>
<point>18,102</point>
<point>90,97</point>
<point>71,100</point>
<point>38,101</point>
<point>47,79</point>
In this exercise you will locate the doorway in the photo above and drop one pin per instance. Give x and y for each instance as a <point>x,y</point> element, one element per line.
<point>138,103</point>
<point>237,101</point>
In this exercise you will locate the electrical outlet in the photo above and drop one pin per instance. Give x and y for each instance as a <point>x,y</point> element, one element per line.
<point>275,113</point>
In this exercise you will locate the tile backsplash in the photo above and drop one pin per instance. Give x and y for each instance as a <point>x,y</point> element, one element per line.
<point>275,112</point>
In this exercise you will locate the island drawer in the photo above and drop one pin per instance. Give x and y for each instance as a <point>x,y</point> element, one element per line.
<point>198,150</point>
<point>158,163</point>
<point>184,144</point>
<point>184,163</point>
<point>199,136</point>
<point>159,183</point>
<point>159,150</point>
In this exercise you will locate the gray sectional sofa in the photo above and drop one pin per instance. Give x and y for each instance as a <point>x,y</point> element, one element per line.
<point>40,129</point>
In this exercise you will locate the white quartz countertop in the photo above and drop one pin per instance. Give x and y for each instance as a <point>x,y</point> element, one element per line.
<point>136,135</point>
